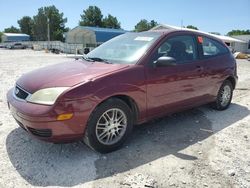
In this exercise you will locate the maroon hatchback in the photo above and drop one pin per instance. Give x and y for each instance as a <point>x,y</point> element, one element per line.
<point>128,80</point>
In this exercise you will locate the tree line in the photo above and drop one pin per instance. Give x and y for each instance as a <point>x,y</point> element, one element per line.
<point>37,26</point>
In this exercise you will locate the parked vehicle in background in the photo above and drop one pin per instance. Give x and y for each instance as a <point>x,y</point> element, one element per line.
<point>16,45</point>
<point>128,80</point>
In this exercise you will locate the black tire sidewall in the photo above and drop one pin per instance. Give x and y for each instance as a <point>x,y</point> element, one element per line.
<point>90,132</point>
<point>218,103</point>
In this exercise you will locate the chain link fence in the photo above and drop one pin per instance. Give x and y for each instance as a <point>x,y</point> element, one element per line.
<point>54,46</point>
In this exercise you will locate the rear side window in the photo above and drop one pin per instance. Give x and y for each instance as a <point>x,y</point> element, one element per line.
<point>212,47</point>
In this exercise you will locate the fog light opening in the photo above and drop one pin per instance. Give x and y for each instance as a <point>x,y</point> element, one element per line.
<point>62,117</point>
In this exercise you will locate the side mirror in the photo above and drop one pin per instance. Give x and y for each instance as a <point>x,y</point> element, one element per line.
<point>86,50</point>
<point>165,61</point>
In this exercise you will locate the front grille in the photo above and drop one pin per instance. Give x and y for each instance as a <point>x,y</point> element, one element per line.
<point>41,132</point>
<point>20,93</point>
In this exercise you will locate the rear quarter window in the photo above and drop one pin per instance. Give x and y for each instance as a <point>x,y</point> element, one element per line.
<point>212,48</point>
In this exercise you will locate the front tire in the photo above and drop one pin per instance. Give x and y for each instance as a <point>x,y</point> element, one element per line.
<point>224,96</point>
<point>109,126</point>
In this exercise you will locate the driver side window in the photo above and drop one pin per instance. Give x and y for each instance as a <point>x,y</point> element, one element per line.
<point>181,48</point>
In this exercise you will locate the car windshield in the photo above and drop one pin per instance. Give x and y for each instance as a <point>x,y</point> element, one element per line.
<point>124,49</point>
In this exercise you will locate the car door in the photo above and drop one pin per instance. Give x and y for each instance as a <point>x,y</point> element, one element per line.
<point>171,88</point>
<point>215,58</point>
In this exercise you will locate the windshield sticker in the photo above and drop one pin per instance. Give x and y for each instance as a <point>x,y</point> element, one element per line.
<point>144,38</point>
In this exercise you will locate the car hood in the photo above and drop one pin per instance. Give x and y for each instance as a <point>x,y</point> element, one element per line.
<point>65,74</point>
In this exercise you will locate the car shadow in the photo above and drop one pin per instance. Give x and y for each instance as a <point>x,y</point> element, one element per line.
<point>46,164</point>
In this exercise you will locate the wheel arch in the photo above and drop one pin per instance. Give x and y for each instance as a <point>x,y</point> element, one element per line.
<point>232,80</point>
<point>129,101</point>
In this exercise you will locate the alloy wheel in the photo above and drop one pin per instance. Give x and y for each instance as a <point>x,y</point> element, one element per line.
<point>111,126</point>
<point>225,95</point>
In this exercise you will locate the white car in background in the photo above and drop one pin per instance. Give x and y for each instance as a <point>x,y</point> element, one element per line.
<point>16,45</point>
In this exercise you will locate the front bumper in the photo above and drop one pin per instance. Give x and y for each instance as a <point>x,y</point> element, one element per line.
<point>40,120</point>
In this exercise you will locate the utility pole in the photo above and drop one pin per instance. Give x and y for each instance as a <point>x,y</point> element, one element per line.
<point>181,23</point>
<point>48,33</point>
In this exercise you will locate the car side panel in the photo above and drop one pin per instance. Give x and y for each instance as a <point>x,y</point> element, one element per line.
<point>217,69</point>
<point>129,82</point>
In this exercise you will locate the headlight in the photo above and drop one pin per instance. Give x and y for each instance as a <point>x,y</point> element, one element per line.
<point>46,96</point>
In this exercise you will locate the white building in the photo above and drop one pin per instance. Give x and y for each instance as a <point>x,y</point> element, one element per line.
<point>245,38</point>
<point>91,36</point>
<point>15,37</point>
<point>239,44</point>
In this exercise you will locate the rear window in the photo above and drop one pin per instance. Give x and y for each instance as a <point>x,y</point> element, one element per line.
<point>212,47</point>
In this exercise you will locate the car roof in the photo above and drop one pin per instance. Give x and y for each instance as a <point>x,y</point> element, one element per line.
<point>185,31</point>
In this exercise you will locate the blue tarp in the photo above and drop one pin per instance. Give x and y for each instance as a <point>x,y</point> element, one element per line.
<point>15,37</point>
<point>104,34</point>
<point>18,38</point>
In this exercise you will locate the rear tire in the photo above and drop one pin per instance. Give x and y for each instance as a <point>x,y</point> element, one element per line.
<point>224,96</point>
<point>109,126</point>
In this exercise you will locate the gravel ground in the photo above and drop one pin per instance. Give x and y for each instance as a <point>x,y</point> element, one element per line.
<point>196,148</point>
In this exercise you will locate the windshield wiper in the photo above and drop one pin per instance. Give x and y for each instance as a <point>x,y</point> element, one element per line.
<point>99,59</point>
<point>87,59</point>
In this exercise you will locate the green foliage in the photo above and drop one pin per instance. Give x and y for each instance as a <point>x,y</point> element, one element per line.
<point>1,33</point>
<point>192,27</point>
<point>153,24</point>
<point>92,16</point>
<point>11,29</point>
<point>215,33</point>
<point>26,24</point>
<point>144,25</point>
<point>48,15</point>
<point>239,32</point>
<point>111,22</point>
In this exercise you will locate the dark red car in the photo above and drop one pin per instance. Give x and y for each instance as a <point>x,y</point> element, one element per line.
<point>128,80</point>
